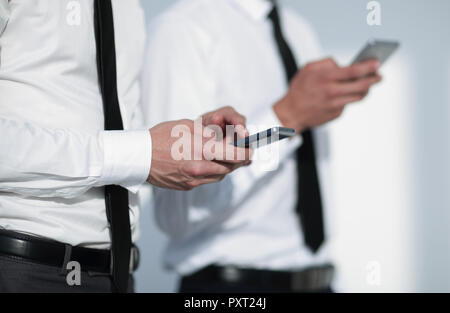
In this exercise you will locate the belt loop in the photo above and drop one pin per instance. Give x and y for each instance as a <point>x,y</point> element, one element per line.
<point>67,257</point>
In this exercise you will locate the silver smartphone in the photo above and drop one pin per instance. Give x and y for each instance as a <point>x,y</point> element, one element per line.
<point>264,138</point>
<point>380,50</point>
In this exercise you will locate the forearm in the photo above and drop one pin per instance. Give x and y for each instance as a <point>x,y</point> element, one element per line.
<point>43,162</point>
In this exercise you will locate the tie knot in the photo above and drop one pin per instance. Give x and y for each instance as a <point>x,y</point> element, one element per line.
<point>274,15</point>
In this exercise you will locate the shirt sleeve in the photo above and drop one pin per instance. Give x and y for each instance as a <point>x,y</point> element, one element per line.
<point>179,82</point>
<point>42,162</point>
<point>4,14</point>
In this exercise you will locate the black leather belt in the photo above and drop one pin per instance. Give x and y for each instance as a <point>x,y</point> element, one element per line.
<point>57,254</point>
<point>312,279</point>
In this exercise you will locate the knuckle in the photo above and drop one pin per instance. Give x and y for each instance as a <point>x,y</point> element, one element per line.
<point>216,117</point>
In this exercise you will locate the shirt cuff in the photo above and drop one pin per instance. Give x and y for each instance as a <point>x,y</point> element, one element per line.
<point>268,158</point>
<point>127,158</point>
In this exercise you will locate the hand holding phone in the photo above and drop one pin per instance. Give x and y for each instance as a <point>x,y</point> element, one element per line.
<point>313,101</point>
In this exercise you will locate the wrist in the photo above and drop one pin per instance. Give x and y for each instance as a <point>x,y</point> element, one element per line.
<point>286,113</point>
<point>127,158</point>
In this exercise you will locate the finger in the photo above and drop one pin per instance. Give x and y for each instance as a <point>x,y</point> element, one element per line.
<point>327,63</point>
<point>238,120</point>
<point>197,182</point>
<point>207,181</point>
<point>235,155</point>
<point>226,152</point>
<point>231,167</point>
<point>201,169</point>
<point>355,71</point>
<point>234,166</point>
<point>212,118</point>
<point>341,102</point>
<point>241,131</point>
<point>213,131</point>
<point>355,87</point>
<point>229,116</point>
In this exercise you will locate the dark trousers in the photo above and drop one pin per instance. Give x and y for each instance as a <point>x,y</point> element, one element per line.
<point>23,276</point>
<point>189,285</point>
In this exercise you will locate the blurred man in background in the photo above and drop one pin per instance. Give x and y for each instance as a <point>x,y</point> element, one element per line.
<point>257,230</point>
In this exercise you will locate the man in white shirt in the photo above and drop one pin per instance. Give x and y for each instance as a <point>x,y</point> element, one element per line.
<point>72,137</point>
<point>250,232</point>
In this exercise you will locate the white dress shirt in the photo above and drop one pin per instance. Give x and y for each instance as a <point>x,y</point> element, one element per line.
<point>202,55</point>
<point>54,155</point>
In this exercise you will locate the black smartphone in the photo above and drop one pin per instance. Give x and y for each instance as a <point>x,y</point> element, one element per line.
<point>380,50</point>
<point>264,138</point>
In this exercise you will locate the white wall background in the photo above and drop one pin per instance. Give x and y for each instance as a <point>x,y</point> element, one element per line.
<point>390,153</point>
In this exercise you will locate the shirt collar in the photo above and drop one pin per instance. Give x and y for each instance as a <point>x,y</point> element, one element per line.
<point>257,9</point>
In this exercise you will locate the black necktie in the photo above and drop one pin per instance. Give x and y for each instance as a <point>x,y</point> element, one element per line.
<point>309,206</point>
<point>116,197</point>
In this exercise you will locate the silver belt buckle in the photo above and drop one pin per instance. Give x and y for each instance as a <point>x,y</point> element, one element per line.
<point>312,279</point>
<point>231,274</point>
